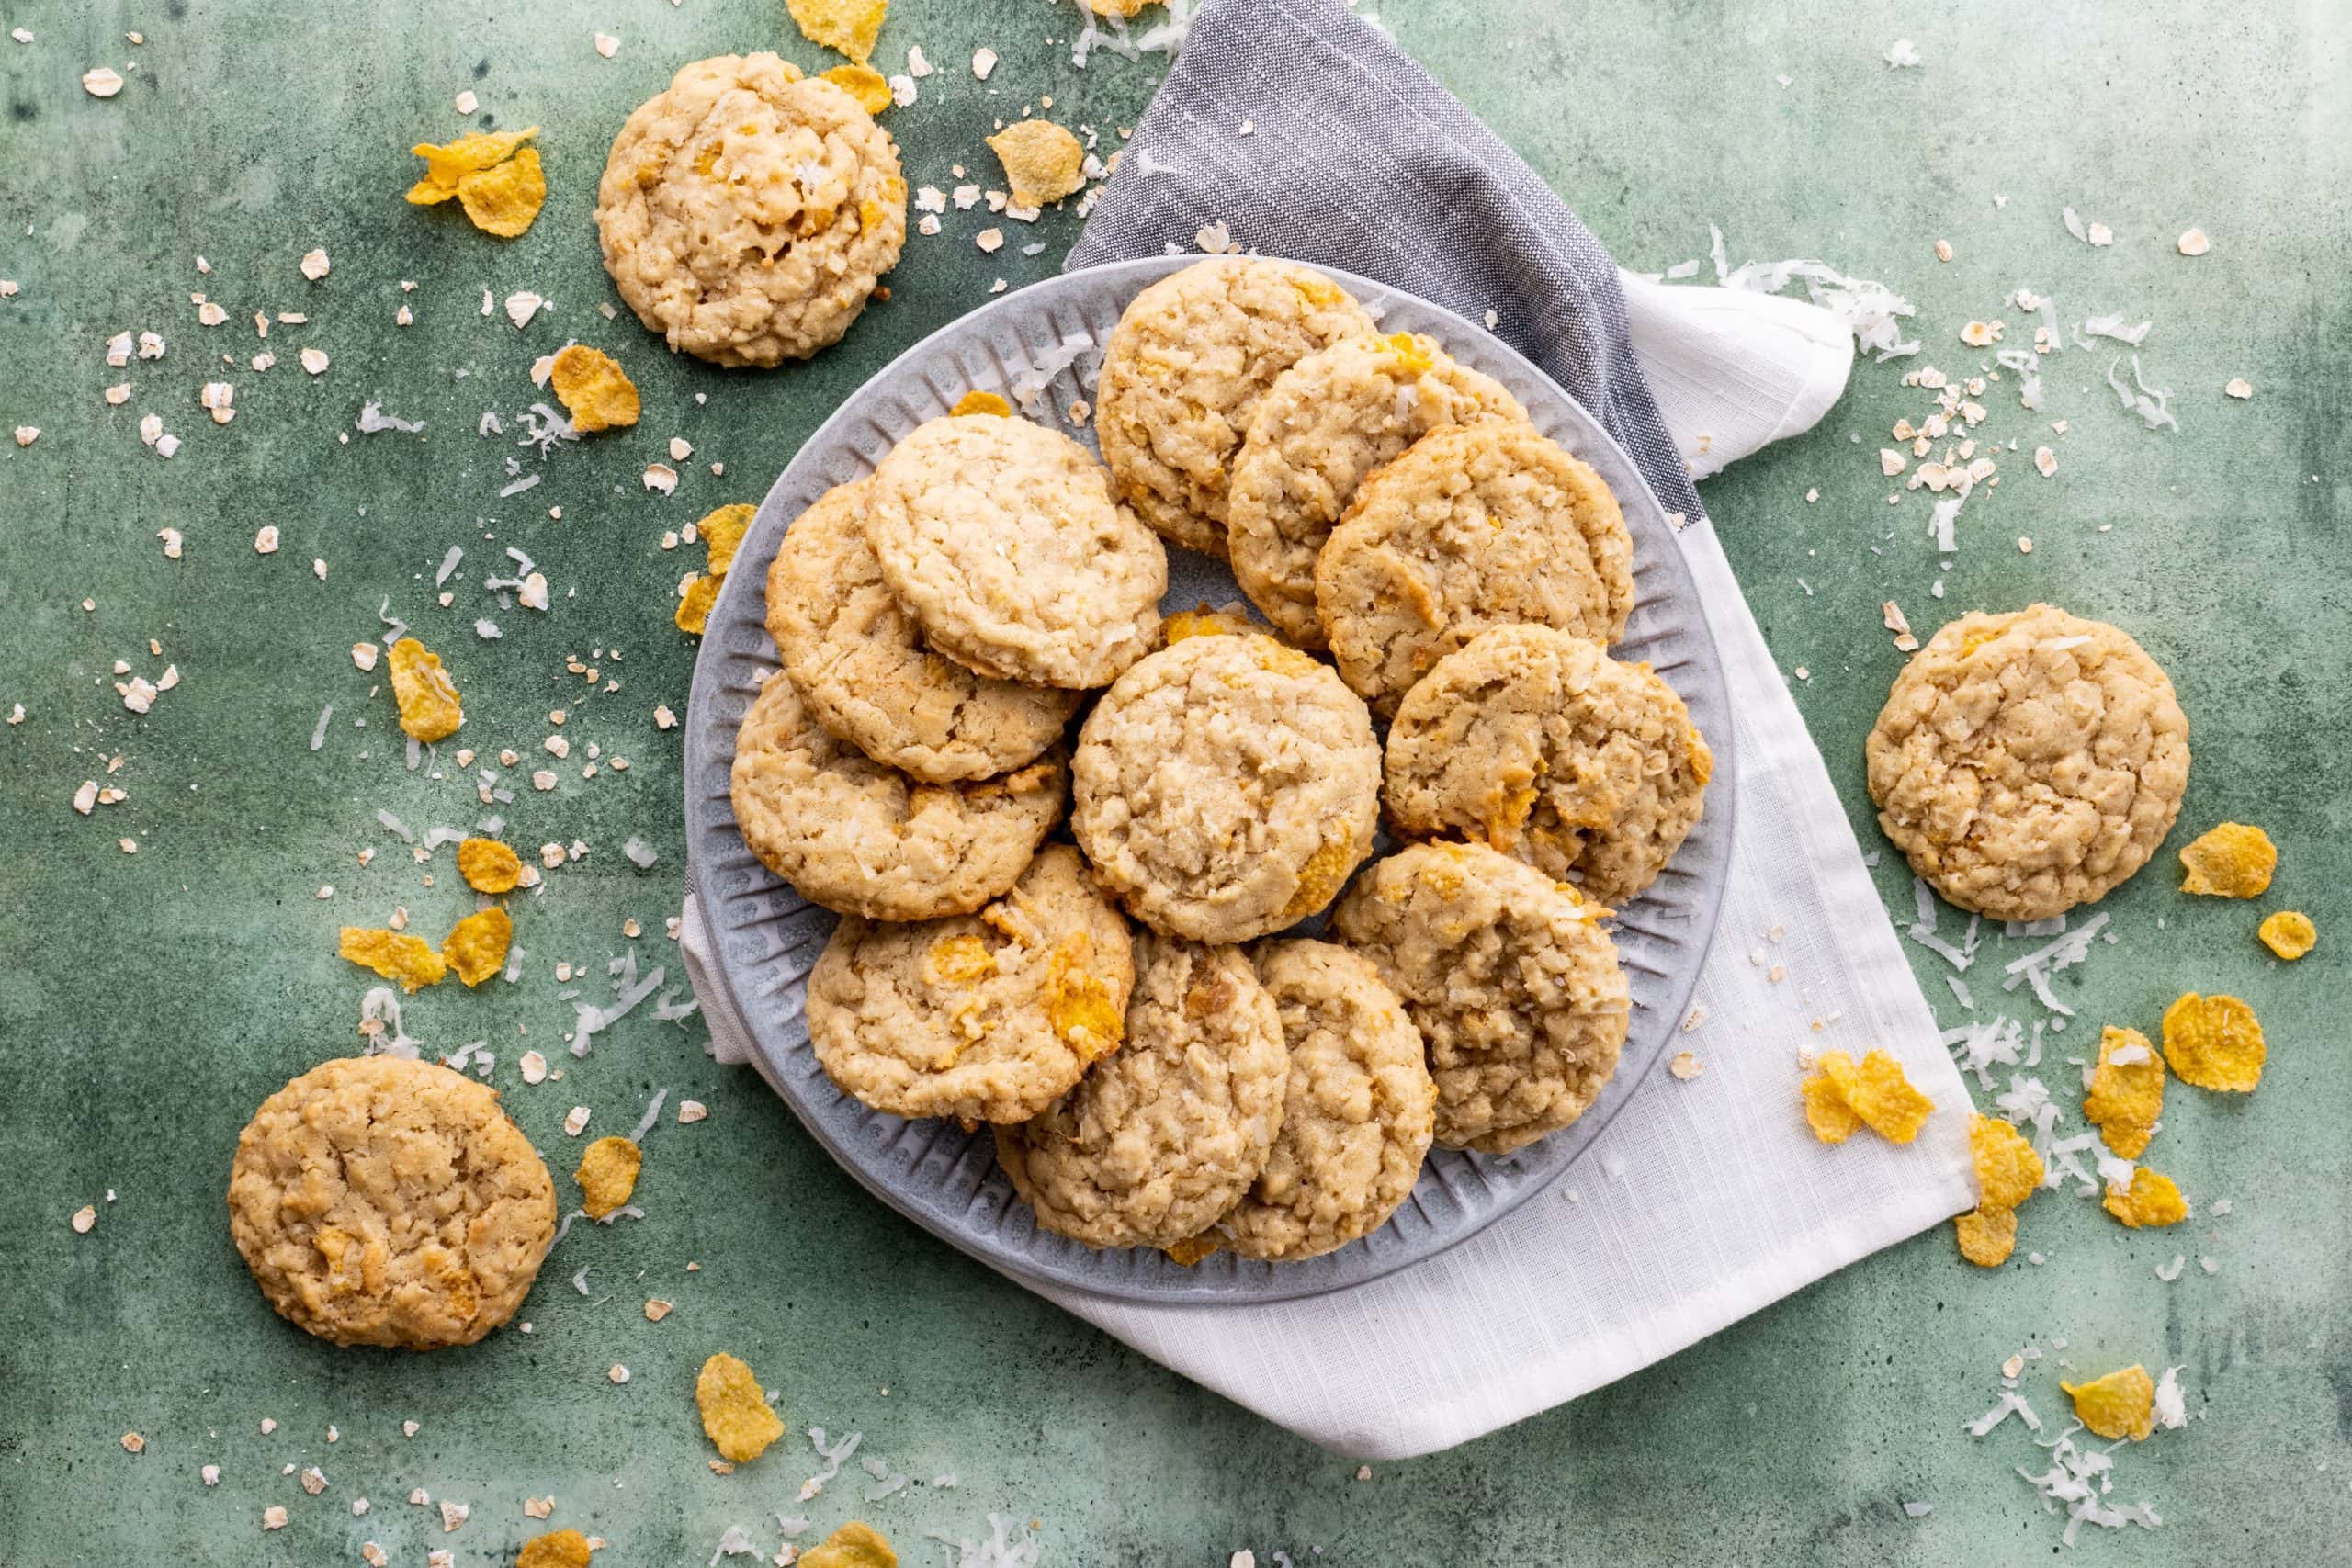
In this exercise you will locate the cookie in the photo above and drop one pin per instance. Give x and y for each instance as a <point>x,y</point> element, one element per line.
<point>1515,989</point>
<point>1002,540</point>
<point>1329,420</point>
<point>1538,744</point>
<point>862,666</point>
<point>1160,1139</point>
<point>865,840</point>
<point>1358,1115</point>
<point>747,212</point>
<point>1183,372</point>
<point>988,1017</point>
<point>383,1200</point>
<point>1475,526</point>
<point>1227,787</point>
<point>2027,762</point>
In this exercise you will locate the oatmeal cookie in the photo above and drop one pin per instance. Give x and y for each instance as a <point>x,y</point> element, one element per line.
<point>1185,370</point>
<point>2027,762</point>
<point>381,1200</point>
<point>988,1017</point>
<point>1475,526</point>
<point>1163,1137</point>
<point>865,840</point>
<point>1002,538</point>
<point>1330,420</point>
<point>862,666</point>
<point>747,212</point>
<point>1227,787</point>
<point>1358,1115</point>
<point>1515,990</point>
<point>1538,744</point>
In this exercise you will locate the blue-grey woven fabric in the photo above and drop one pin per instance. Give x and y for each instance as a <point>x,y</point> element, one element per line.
<point>1357,159</point>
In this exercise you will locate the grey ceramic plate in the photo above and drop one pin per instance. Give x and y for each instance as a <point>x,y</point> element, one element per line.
<point>765,938</point>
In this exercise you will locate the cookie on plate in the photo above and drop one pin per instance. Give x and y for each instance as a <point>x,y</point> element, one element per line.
<point>2027,762</point>
<point>865,840</point>
<point>384,1200</point>
<point>1515,988</point>
<point>1002,538</point>
<point>988,1017</point>
<point>747,212</point>
<point>1162,1138</point>
<point>862,666</point>
<point>1475,526</point>
<point>1357,1117</point>
<point>1538,744</point>
<point>1182,374</point>
<point>1329,420</point>
<point>1227,787</point>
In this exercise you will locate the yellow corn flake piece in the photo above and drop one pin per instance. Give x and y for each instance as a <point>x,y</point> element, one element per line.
<point>1415,354</point>
<point>2126,1098</point>
<point>694,609</point>
<point>608,1175</point>
<point>1079,1004</point>
<point>476,946</point>
<point>855,1545</point>
<point>863,83</point>
<point>557,1549</point>
<point>505,200</point>
<point>2234,861</point>
<point>444,167</point>
<point>983,403</point>
<point>1193,1249</point>
<point>2152,1201</point>
<point>1832,1120</point>
<point>1202,622</point>
<point>961,959</point>
<point>489,866</point>
<point>396,956</point>
<point>1879,1094</point>
<point>846,27</point>
<point>2289,934</point>
<point>1987,1237</point>
<point>593,386</point>
<point>1042,161</point>
<point>2121,1404</point>
<point>2214,1043</point>
<point>722,534</point>
<point>2007,1170</point>
<point>735,1413</point>
<point>428,701</point>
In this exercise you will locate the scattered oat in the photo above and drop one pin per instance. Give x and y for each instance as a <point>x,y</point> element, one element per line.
<point>315,266</point>
<point>574,1119</point>
<point>657,1309</point>
<point>2193,243</point>
<point>534,1067</point>
<point>101,82</point>
<point>2239,387</point>
<point>618,1373</point>
<point>273,1517</point>
<point>467,101</point>
<point>691,1112</point>
<point>989,240</point>
<point>265,540</point>
<point>607,45</point>
<point>1685,1066</point>
<point>983,62</point>
<point>314,360</point>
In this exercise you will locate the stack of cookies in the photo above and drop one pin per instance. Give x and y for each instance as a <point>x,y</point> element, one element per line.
<point>1164,1065</point>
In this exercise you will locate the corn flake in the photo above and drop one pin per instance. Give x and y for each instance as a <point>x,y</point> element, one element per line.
<point>428,701</point>
<point>2214,1043</point>
<point>557,1549</point>
<point>847,26</point>
<point>1202,622</point>
<point>608,1175</point>
<point>505,200</point>
<point>2289,934</point>
<point>2152,1201</point>
<point>1879,1094</point>
<point>722,534</point>
<point>1192,1249</point>
<point>855,1545</point>
<point>396,956</point>
<point>1042,161</point>
<point>476,946</point>
<point>2121,1404</point>
<point>735,1413</point>
<point>2007,1170</point>
<point>983,403</point>
<point>593,387</point>
<point>863,83</point>
<point>694,607</point>
<point>469,154</point>
<point>2234,861</point>
<point>489,866</point>
<point>2126,1098</point>
<point>1832,1120</point>
<point>1987,1237</point>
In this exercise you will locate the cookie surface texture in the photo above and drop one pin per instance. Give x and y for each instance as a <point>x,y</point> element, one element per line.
<point>1002,538</point>
<point>2028,762</point>
<point>381,1200</point>
<point>1227,787</point>
<point>990,1017</point>
<point>747,212</point>
<point>1185,370</point>
<point>1517,992</point>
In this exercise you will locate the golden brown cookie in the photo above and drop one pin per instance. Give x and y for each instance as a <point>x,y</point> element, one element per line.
<point>382,1200</point>
<point>2027,762</point>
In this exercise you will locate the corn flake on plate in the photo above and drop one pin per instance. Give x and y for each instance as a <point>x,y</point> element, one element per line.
<point>1041,349</point>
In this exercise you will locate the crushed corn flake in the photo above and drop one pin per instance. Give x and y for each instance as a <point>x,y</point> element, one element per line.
<point>2234,861</point>
<point>735,1412</point>
<point>2127,1091</point>
<point>2214,1043</point>
<point>2289,934</point>
<point>592,385</point>
<point>608,1175</point>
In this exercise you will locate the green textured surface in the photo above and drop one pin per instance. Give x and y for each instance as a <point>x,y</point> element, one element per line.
<point>148,1003</point>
